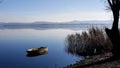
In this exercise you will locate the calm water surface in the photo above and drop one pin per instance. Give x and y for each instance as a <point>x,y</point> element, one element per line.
<point>15,42</point>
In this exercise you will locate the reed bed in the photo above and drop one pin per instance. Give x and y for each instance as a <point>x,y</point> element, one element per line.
<point>91,42</point>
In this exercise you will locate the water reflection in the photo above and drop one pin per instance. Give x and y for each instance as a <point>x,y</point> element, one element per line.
<point>18,40</point>
<point>34,55</point>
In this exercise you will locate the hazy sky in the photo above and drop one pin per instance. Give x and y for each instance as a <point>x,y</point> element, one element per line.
<point>52,10</point>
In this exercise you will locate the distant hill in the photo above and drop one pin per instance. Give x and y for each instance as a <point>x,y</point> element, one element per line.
<point>70,22</point>
<point>55,25</point>
<point>75,22</point>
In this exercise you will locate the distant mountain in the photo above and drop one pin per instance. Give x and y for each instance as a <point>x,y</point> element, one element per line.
<point>70,22</point>
<point>55,25</point>
<point>76,22</point>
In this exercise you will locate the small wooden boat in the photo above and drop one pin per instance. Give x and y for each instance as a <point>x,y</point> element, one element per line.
<point>37,51</point>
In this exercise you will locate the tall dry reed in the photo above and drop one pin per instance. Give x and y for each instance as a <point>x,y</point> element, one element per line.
<point>91,42</point>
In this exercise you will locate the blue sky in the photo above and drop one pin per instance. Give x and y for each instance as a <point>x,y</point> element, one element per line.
<point>52,10</point>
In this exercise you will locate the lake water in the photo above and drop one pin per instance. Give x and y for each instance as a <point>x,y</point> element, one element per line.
<point>15,42</point>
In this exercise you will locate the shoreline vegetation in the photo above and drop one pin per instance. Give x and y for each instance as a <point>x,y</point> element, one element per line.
<point>88,43</point>
<point>95,44</point>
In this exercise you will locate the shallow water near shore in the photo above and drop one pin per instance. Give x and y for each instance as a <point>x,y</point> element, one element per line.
<point>15,42</point>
